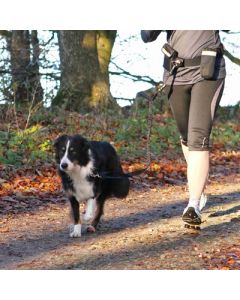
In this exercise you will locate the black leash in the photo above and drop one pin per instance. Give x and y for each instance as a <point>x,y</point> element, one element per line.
<point>110,175</point>
<point>158,89</point>
<point>176,63</point>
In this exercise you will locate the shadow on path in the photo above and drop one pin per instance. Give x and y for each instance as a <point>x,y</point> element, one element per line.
<point>20,249</point>
<point>129,257</point>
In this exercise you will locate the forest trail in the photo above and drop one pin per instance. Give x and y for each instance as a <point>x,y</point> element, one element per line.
<point>142,231</point>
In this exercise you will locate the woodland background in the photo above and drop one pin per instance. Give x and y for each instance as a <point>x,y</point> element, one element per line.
<point>77,99</point>
<point>59,82</point>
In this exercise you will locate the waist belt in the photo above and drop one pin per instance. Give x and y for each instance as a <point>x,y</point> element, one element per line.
<point>191,62</point>
<point>188,62</point>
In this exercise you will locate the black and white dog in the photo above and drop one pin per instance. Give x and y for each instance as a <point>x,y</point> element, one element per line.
<point>90,172</point>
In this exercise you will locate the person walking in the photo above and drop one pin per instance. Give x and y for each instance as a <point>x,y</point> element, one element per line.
<point>194,75</point>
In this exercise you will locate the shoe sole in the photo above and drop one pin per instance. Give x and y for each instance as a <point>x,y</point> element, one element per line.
<point>194,227</point>
<point>190,217</point>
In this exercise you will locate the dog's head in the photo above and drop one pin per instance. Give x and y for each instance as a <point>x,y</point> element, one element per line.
<point>72,152</point>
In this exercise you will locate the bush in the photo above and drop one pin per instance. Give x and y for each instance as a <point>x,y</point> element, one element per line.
<point>126,132</point>
<point>25,146</point>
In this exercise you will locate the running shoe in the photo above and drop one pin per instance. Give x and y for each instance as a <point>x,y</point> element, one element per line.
<point>192,215</point>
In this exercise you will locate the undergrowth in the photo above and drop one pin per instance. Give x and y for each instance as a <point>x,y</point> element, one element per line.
<point>127,133</point>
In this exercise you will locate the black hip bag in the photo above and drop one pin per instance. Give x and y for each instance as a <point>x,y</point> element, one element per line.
<point>208,63</point>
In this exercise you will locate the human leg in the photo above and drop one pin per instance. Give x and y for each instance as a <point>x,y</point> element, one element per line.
<point>205,99</point>
<point>194,108</point>
<point>203,198</point>
<point>197,174</point>
<point>179,99</point>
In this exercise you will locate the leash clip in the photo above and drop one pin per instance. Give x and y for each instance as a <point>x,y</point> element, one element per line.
<point>176,63</point>
<point>160,87</point>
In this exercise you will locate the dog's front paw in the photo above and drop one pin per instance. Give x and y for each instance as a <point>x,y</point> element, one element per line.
<point>75,230</point>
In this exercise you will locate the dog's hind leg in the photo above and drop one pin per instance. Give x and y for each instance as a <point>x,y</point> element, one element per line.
<point>75,231</point>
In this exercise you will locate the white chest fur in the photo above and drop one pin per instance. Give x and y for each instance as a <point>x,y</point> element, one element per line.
<point>83,189</point>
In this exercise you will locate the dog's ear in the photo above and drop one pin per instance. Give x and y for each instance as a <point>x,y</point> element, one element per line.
<point>82,142</point>
<point>59,140</point>
<point>86,144</point>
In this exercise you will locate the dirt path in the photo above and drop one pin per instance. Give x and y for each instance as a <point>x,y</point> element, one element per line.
<point>143,231</point>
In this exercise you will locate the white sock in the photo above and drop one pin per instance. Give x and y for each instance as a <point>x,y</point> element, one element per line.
<point>194,203</point>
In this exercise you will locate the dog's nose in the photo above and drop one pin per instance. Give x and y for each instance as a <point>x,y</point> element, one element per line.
<point>64,165</point>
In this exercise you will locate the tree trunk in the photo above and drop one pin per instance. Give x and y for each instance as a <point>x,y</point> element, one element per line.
<point>20,62</point>
<point>85,57</point>
<point>26,84</point>
<point>35,79</point>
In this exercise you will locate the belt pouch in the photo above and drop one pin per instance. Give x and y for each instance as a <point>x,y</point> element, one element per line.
<point>208,62</point>
<point>167,63</point>
<point>169,55</point>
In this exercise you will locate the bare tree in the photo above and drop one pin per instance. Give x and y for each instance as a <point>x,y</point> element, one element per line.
<point>34,70</point>
<point>26,86</point>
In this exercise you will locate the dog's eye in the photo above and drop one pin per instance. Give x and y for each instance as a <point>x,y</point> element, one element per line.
<point>71,150</point>
<point>63,149</point>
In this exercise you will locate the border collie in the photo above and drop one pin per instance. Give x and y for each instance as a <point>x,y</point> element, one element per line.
<point>91,172</point>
